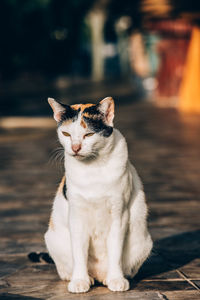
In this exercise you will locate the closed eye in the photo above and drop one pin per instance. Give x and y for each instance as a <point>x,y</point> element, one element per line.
<point>89,134</point>
<point>65,133</point>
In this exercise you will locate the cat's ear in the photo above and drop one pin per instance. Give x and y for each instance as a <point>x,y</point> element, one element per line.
<point>58,109</point>
<point>107,107</point>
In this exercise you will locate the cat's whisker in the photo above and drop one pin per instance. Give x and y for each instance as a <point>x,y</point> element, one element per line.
<point>53,154</point>
<point>57,156</point>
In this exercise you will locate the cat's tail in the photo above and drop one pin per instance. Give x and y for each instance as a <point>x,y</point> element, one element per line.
<point>40,257</point>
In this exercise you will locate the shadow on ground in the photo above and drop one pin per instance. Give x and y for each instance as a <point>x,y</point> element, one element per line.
<point>171,253</point>
<point>8,296</point>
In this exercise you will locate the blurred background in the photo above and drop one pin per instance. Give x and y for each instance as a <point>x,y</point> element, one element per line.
<point>81,50</point>
<point>146,55</point>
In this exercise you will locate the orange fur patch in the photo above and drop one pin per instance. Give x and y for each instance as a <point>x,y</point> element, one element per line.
<point>60,188</point>
<point>51,224</point>
<point>90,116</point>
<point>83,124</point>
<point>82,106</point>
<point>76,106</point>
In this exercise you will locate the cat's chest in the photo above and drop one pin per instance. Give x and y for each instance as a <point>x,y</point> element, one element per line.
<point>89,191</point>
<point>92,183</point>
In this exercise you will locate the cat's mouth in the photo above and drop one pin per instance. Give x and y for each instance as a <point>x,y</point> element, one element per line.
<point>92,156</point>
<point>78,155</point>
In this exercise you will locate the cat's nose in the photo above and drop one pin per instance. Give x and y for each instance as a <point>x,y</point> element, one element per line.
<point>76,148</point>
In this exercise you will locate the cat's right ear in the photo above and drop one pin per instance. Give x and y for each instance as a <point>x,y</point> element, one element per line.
<point>58,109</point>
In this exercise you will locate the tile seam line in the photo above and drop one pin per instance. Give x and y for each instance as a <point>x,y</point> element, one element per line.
<point>181,274</point>
<point>168,279</point>
<point>188,280</point>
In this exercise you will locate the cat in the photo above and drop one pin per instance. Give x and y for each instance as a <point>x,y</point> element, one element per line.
<point>98,228</point>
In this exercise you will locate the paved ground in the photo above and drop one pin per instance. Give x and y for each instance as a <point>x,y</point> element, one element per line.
<point>165,148</point>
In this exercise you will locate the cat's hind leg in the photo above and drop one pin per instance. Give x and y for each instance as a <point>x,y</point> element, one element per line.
<point>58,245</point>
<point>138,243</point>
<point>57,237</point>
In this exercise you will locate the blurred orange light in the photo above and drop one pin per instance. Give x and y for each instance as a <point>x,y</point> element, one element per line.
<point>189,95</point>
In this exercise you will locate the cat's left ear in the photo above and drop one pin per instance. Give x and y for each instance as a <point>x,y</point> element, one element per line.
<point>58,109</point>
<point>107,107</point>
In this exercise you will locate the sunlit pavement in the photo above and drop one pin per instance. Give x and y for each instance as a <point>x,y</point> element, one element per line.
<point>165,148</point>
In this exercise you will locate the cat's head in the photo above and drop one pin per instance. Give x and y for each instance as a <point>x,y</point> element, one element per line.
<point>84,129</point>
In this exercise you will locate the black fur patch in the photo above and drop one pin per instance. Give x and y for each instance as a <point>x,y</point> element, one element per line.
<point>40,257</point>
<point>98,126</point>
<point>68,114</point>
<point>92,110</point>
<point>65,190</point>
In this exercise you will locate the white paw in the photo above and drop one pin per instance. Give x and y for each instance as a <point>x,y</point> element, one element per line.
<point>79,286</point>
<point>118,285</point>
<point>63,273</point>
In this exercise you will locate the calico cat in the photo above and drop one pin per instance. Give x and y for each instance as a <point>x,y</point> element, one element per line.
<point>98,227</point>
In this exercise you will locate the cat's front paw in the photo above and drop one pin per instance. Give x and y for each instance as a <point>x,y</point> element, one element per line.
<point>118,285</point>
<point>79,286</point>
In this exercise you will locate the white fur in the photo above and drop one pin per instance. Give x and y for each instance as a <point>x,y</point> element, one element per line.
<point>100,232</point>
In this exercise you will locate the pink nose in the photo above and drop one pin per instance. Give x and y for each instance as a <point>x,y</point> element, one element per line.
<point>76,148</point>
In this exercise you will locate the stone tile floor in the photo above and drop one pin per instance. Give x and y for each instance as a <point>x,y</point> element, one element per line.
<point>165,148</point>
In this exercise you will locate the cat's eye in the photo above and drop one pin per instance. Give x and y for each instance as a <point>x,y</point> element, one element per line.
<point>65,133</point>
<point>89,134</point>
